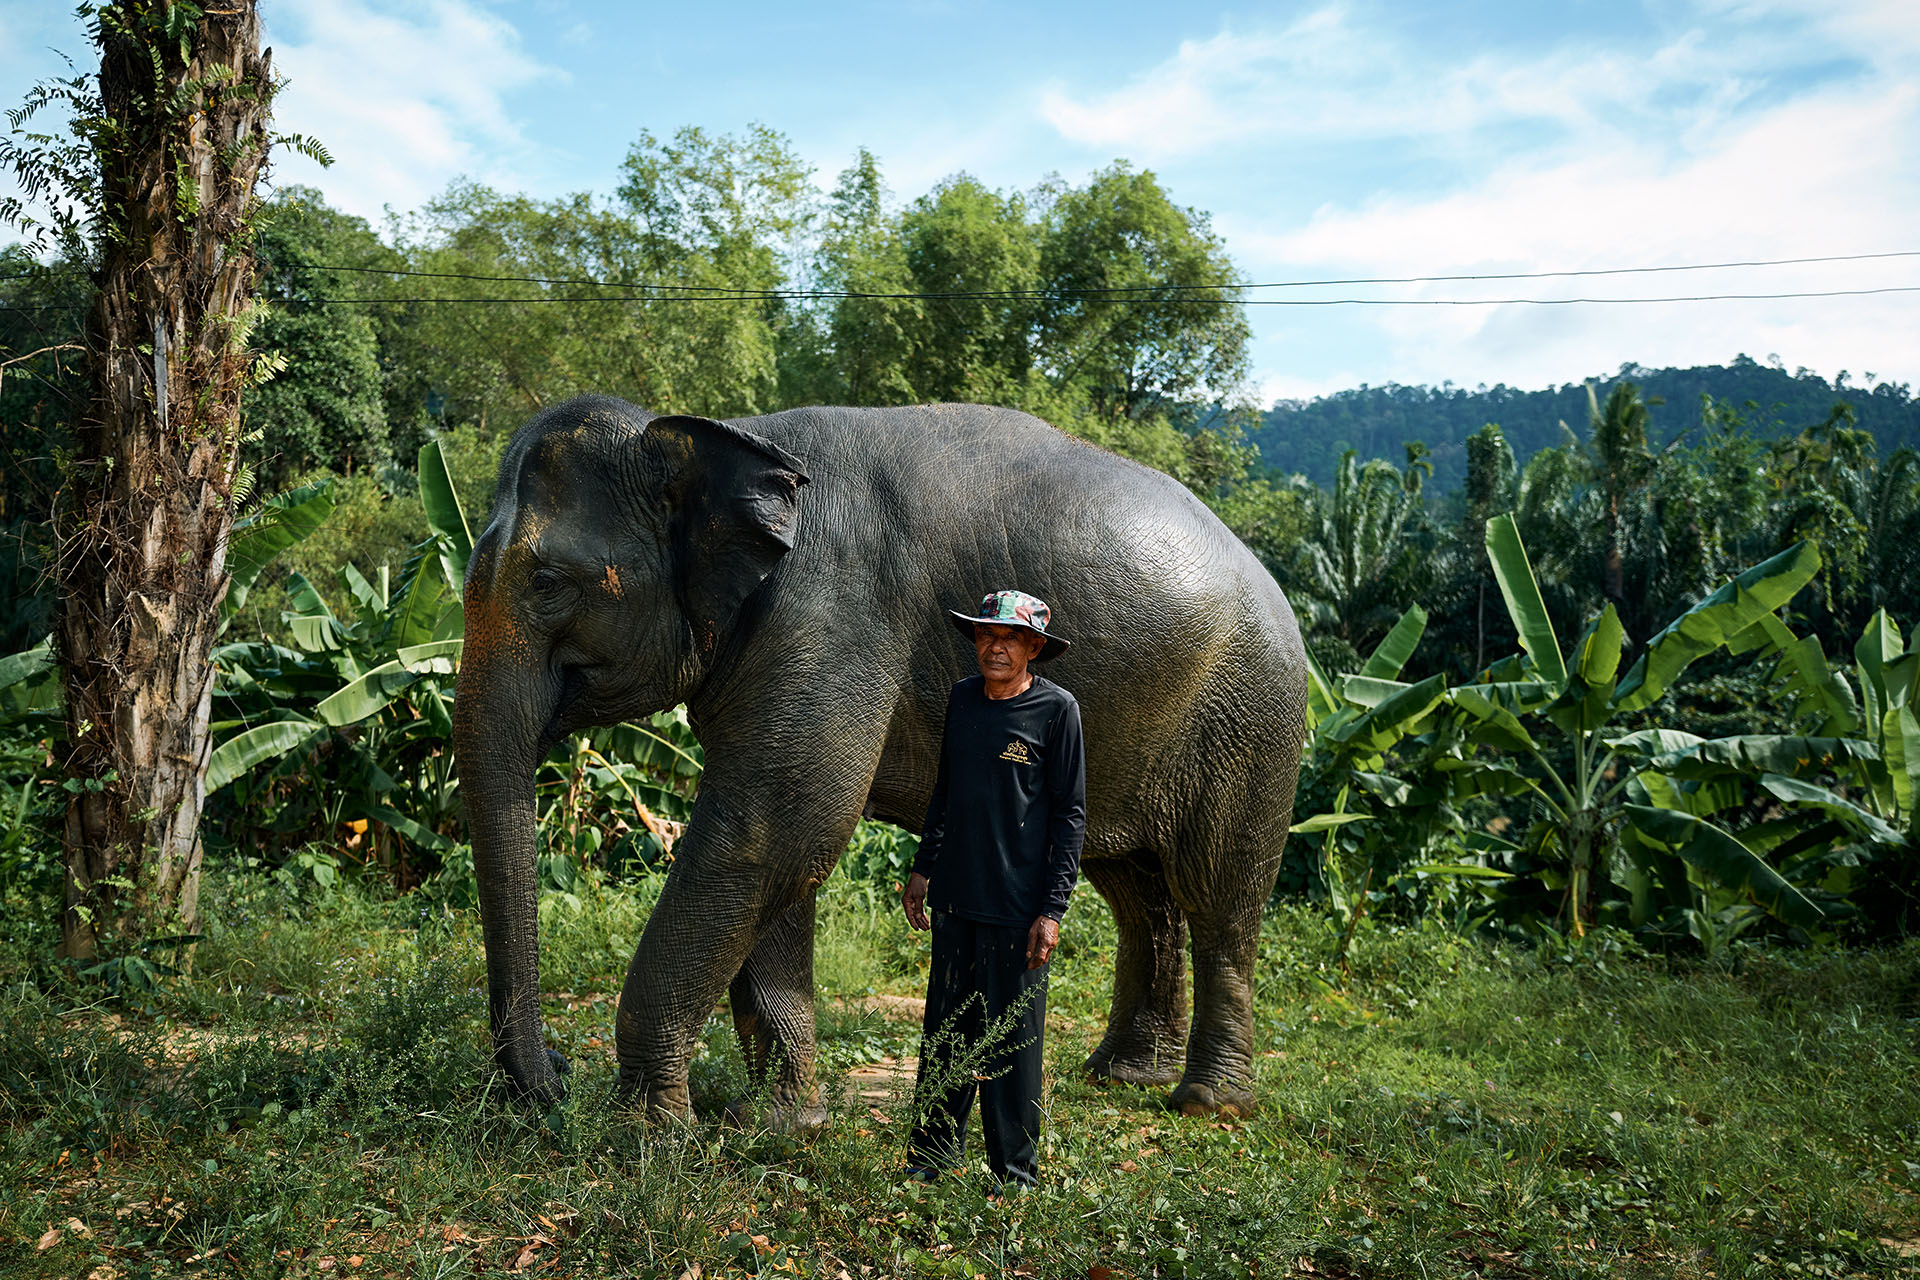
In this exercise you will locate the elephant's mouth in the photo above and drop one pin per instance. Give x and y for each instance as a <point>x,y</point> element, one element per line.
<point>571,710</point>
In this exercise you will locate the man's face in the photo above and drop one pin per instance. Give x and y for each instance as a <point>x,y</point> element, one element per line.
<point>1004,652</point>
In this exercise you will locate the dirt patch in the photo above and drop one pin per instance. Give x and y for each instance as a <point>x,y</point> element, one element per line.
<point>892,1008</point>
<point>881,1082</point>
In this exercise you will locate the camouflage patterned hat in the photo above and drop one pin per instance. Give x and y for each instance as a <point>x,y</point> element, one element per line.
<point>1013,609</point>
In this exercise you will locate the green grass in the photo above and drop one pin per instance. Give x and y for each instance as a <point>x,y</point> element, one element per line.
<point>318,1092</point>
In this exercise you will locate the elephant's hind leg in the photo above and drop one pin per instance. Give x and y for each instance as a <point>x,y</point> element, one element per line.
<point>1219,1071</point>
<point>1147,1027</point>
<point>772,1002</point>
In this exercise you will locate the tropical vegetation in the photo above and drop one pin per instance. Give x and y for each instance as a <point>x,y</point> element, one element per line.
<point>1592,952</point>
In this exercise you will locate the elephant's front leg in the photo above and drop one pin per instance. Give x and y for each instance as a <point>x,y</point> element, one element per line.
<point>763,836</point>
<point>772,1001</point>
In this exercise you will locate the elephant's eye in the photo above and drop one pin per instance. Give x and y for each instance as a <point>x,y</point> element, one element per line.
<point>546,582</point>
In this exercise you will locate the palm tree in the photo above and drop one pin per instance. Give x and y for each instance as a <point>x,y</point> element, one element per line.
<point>1353,570</point>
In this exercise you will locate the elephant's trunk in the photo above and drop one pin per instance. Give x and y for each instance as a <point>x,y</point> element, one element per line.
<point>496,732</point>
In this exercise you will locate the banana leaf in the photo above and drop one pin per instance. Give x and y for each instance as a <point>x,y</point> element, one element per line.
<point>1466,870</point>
<point>246,751</point>
<point>1788,837</point>
<point>312,623</point>
<point>1480,776</point>
<point>436,657</point>
<point>1384,787</point>
<point>1493,725</point>
<point>29,682</point>
<point>1900,734</point>
<point>17,668</point>
<point>406,826</point>
<point>284,520</point>
<point>424,597</point>
<point>1714,621</point>
<point>1511,569</point>
<point>1522,697</point>
<point>1719,855</point>
<point>1384,725</point>
<point>1327,821</point>
<point>444,515</point>
<point>1807,673</point>
<point>1697,797</point>
<point>365,696</point>
<point>1749,755</point>
<point>1586,704</point>
<point>1369,691</point>
<point>1644,744</point>
<point>1322,702</point>
<point>1390,657</point>
<point>1878,648</point>
<point>371,600</point>
<point>1801,792</point>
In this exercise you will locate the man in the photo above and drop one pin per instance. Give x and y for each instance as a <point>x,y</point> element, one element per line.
<point>999,854</point>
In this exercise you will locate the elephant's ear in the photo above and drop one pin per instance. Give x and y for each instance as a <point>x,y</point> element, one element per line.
<point>732,500</point>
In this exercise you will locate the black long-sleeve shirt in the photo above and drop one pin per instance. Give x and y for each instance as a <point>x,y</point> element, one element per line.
<point>1001,843</point>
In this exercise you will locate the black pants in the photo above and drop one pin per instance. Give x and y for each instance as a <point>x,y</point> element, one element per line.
<point>980,983</point>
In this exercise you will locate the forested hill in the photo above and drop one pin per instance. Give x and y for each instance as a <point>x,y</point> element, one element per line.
<point>1308,437</point>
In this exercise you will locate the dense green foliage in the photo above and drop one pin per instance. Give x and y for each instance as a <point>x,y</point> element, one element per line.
<point>1514,1018</point>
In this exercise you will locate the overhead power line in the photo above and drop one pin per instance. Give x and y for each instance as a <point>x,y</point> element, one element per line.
<point>1092,291</point>
<point>1215,286</point>
<point>604,298</point>
<point>1246,302</point>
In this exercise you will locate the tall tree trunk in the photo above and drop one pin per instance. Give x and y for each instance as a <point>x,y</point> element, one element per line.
<point>149,501</point>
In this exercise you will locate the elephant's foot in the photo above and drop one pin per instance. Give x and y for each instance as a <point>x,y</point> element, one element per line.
<point>778,1114</point>
<point>540,1088</point>
<point>1226,1100</point>
<point>655,1102</point>
<point>1132,1068</point>
<point>794,1119</point>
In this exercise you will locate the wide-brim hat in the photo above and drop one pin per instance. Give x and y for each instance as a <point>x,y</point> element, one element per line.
<point>1014,609</point>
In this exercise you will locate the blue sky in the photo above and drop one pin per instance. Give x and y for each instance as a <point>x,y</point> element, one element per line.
<point>1326,139</point>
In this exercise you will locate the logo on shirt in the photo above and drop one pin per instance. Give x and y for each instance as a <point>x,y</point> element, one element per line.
<point>1017,752</point>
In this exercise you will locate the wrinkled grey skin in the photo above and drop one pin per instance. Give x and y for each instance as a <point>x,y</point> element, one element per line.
<point>787,577</point>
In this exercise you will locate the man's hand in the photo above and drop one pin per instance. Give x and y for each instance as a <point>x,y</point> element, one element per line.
<point>1042,938</point>
<point>914,899</point>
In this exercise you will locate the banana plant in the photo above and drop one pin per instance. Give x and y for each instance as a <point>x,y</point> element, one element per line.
<point>1543,728</point>
<point>369,686</point>
<point>1843,793</point>
<point>1385,826</point>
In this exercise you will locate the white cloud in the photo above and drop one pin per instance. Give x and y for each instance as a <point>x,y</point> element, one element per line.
<point>405,98</point>
<point>1831,173</point>
<point>1750,129</point>
<point>1328,77</point>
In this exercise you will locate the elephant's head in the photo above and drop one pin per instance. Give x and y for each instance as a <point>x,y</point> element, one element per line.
<point>621,552</point>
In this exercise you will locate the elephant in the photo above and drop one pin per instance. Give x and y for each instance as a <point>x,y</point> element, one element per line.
<point>787,577</point>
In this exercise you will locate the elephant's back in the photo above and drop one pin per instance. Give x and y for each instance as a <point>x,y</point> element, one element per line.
<point>961,499</point>
<point>1186,657</point>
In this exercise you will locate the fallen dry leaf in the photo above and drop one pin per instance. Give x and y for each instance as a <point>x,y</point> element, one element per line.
<point>1128,1166</point>
<point>49,1240</point>
<point>355,1260</point>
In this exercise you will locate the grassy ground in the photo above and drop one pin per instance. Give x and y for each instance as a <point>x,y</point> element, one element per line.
<point>314,1101</point>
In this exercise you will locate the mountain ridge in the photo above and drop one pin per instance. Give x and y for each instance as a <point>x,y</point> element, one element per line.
<point>1308,437</point>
